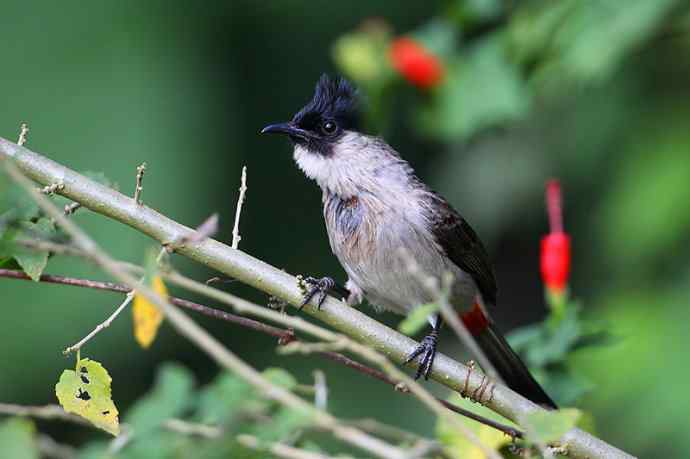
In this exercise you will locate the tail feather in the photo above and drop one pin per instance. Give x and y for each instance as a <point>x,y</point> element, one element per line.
<point>510,366</point>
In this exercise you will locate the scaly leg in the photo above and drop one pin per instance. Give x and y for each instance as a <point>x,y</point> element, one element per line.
<point>427,350</point>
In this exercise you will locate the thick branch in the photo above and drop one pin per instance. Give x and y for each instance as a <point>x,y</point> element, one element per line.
<point>238,265</point>
<point>284,336</point>
<point>196,334</point>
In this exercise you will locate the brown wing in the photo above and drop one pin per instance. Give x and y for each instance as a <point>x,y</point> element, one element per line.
<point>462,245</point>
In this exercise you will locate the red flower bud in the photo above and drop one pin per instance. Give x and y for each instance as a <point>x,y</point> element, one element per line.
<point>414,62</point>
<point>555,246</point>
<point>555,261</point>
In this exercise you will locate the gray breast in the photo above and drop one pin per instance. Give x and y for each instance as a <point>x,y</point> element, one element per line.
<point>367,236</point>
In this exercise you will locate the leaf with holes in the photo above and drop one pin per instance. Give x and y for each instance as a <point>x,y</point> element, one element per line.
<point>86,393</point>
<point>147,316</point>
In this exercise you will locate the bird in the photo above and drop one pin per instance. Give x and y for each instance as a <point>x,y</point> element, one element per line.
<point>375,207</point>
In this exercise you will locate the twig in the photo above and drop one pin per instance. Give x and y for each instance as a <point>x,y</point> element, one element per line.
<point>191,330</point>
<point>431,284</point>
<point>207,229</point>
<point>279,449</point>
<point>284,336</point>
<point>50,448</point>
<point>105,324</point>
<point>320,390</point>
<point>51,412</point>
<point>192,428</point>
<point>332,340</point>
<point>139,183</point>
<point>236,238</point>
<point>238,265</point>
<point>52,188</point>
<point>71,208</point>
<point>23,134</point>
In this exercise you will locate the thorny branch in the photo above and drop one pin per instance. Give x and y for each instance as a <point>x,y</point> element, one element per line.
<point>236,238</point>
<point>240,266</point>
<point>191,330</point>
<point>139,187</point>
<point>284,336</point>
<point>23,134</point>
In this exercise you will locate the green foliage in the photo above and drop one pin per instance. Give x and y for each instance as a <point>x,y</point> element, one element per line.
<point>227,403</point>
<point>17,439</point>
<point>482,89</point>
<point>548,345</point>
<point>544,427</point>
<point>33,262</point>
<point>169,398</point>
<point>417,319</point>
<point>591,91</point>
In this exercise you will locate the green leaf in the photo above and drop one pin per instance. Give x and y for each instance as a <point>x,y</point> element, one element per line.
<point>361,55</point>
<point>169,397</point>
<point>17,439</point>
<point>482,88</point>
<point>438,36</point>
<point>283,424</point>
<point>565,385</point>
<point>417,319</point>
<point>221,400</point>
<point>87,394</point>
<point>15,203</point>
<point>34,262</point>
<point>639,229</point>
<point>544,427</point>
<point>280,377</point>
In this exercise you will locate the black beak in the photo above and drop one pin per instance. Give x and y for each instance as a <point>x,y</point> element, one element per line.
<point>285,128</point>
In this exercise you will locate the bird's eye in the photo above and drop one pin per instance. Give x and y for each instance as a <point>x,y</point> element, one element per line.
<point>328,127</point>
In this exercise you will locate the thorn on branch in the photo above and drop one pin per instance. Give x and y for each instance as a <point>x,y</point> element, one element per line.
<point>208,228</point>
<point>220,280</point>
<point>320,390</point>
<point>236,238</point>
<point>287,337</point>
<point>402,387</point>
<point>52,188</point>
<point>139,185</point>
<point>72,208</point>
<point>275,303</point>
<point>23,134</point>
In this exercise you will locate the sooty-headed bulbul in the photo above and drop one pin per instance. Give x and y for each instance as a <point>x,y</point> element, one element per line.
<point>375,207</point>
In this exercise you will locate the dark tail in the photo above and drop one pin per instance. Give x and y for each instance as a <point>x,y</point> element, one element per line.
<point>510,367</point>
<point>504,359</point>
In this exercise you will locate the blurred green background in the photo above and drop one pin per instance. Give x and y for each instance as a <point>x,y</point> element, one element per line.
<point>595,93</point>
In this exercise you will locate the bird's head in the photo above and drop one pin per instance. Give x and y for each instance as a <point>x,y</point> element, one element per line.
<point>325,120</point>
<point>328,146</point>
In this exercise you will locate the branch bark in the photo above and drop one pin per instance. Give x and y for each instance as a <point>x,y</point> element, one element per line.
<point>254,272</point>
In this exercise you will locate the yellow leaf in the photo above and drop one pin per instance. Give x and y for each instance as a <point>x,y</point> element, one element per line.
<point>458,446</point>
<point>147,317</point>
<point>86,393</point>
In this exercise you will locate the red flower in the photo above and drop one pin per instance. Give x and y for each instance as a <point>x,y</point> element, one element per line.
<point>555,246</point>
<point>414,62</point>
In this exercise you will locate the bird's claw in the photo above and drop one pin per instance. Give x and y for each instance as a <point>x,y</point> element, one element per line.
<point>318,288</point>
<point>427,349</point>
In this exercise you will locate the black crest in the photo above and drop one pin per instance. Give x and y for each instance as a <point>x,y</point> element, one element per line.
<point>334,99</point>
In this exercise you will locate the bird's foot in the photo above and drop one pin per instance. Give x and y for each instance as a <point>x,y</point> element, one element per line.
<point>427,351</point>
<point>316,288</point>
